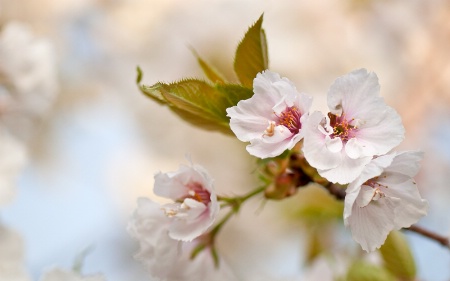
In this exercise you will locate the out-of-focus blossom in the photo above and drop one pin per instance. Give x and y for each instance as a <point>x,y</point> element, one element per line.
<point>150,227</point>
<point>383,198</point>
<point>11,256</point>
<point>12,160</point>
<point>166,258</point>
<point>58,274</point>
<point>27,78</point>
<point>272,119</point>
<point>195,205</point>
<point>358,126</point>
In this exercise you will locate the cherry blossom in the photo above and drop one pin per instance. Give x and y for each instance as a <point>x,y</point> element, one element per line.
<point>168,259</point>
<point>28,80</point>
<point>150,227</point>
<point>359,126</point>
<point>195,205</point>
<point>272,119</point>
<point>384,198</point>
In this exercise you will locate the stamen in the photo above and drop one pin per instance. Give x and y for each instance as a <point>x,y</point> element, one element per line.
<point>378,194</point>
<point>198,193</point>
<point>374,183</point>
<point>341,127</point>
<point>290,118</point>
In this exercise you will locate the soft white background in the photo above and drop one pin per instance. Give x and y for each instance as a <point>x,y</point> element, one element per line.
<point>100,145</point>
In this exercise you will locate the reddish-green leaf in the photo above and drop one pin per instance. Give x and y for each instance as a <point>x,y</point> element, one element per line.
<point>198,102</point>
<point>251,54</point>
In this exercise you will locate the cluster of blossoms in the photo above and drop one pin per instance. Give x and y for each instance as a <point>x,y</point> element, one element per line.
<point>351,145</point>
<point>169,234</point>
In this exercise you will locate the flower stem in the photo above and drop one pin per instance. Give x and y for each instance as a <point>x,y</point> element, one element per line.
<point>218,226</point>
<point>235,203</point>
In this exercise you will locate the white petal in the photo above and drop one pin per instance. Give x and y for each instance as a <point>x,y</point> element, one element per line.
<point>194,224</point>
<point>271,146</point>
<point>350,199</point>
<point>149,226</point>
<point>354,149</point>
<point>373,169</point>
<point>365,196</point>
<point>370,225</point>
<point>250,117</point>
<point>271,84</point>
<point>354,93</point>
<point>407,163</point>
<point>314,145</point>
<point>385,134</point>
<point>347,171</point>
<point>334,145</point>
<point>167,187</point>
<point>412,206</point>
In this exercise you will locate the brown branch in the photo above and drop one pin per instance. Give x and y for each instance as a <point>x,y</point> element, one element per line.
<point>336,190</point>
<point>444,241</point>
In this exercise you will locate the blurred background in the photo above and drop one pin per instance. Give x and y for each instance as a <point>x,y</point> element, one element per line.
<point>94,141</point>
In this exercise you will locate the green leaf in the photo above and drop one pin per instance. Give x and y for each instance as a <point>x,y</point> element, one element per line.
<point>196,97</point>
<point>200,122</point>
<point>233,93</point>
<point>251,54</point>
<point>363,271</point>
<point>397,256</point>
<point>210,72</point>
<point>198,102</point>
<point>153,92</point>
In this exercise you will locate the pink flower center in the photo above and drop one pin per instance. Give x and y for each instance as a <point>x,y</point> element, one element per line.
<point>198,193</point>
<point>341,127</point>
<point>290,118</point>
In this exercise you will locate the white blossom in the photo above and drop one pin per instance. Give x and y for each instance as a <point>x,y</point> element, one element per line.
<point>150,227</point>
<point>195,207</point>
<point>167,259</point>
<point>272,119</point>
<point>384,198</point>
<point>359,126</point>
<point>27,78</point>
